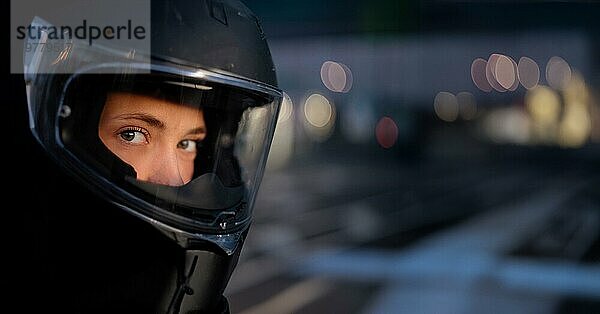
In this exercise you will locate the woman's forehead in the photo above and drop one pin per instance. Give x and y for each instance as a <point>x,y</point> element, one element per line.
<point>126,101</point>
<point>129,105</point>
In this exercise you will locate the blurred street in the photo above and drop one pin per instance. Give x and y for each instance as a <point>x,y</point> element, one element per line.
<point>341,236</point>
<point>429,157</point>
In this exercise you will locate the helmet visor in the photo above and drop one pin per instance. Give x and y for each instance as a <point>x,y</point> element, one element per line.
<point>189,148</point>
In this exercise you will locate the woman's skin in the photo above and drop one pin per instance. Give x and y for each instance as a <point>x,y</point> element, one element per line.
<point>156,137</point>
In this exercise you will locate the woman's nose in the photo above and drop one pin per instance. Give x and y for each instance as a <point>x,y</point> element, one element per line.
<point>163,169</point>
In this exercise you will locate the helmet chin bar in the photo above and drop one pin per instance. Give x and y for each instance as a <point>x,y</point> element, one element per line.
<point>202,277</point>
<point>205,266</point>
<point>227,243</point>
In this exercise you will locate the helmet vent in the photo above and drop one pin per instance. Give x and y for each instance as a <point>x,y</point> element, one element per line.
<point>217,11</point>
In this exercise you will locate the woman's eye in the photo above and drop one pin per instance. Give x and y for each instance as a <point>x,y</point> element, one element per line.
<point>187,145</point>
<point>133,137</point>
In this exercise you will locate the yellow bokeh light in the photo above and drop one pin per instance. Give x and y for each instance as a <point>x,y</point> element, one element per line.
<point>543,105</point>
<point>508,125</point>
<point>576,126</point>
<point>319,115</point>
<point>317,110</point>
<point>576,90</point>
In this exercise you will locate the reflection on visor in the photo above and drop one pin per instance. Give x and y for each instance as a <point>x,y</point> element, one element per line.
<point>206,191</point>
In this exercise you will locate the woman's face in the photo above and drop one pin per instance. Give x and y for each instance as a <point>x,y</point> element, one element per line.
<point>156,137</point>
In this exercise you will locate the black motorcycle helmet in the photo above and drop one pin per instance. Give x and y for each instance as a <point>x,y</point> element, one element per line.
<point>209,81</point>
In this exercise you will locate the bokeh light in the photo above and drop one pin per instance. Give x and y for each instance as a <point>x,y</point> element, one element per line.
<point>467,106</point>
<point>319,115</point>
<point>386,132</point>
<point>505,72</point>
<point>490,72</point>
<point>508,125</point>
<point>478,75</point>
<point>544,105</point>
<point>528,72</point>
<point>446,106</point>
<point>317,110</point>
<point>576,89</point>
<point>336,76</point>
<point>558,73</point>
<point>515,84</point>
<point>349,78</point>
<point>576,125</point>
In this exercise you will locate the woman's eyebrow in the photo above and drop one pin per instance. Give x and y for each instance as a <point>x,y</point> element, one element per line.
<point>151,120</point>
<point>198,130</point>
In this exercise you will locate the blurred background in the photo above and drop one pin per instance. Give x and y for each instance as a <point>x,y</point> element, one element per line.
<point>430,157</point>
